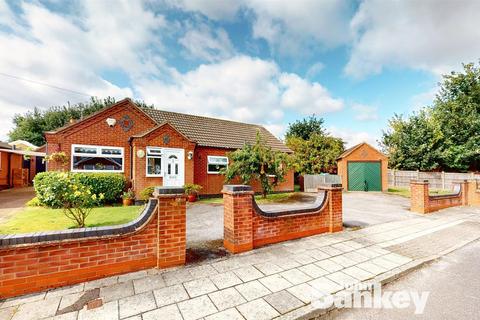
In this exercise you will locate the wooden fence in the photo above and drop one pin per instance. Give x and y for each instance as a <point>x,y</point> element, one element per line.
<point>437,180</point>
<point>312,181</point>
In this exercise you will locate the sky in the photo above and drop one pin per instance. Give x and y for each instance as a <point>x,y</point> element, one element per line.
<point>353,63</point>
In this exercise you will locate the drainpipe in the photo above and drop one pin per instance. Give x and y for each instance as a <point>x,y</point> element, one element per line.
<point>131,157</point>
<point>9,167</point>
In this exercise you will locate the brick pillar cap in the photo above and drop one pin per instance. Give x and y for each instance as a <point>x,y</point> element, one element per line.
<point>330,186</point>
<point>168,191</point>
<point>237,189</point>
<point>419,181</point>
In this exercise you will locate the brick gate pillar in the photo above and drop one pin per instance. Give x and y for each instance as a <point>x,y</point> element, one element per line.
<point>238,218</point>
<point>334,194</point>
<point>171,246</point>
<point>419,200</point>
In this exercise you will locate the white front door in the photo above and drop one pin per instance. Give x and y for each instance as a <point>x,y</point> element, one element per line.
<point>174,166</point>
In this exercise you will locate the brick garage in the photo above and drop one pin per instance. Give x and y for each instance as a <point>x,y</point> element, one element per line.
<point>133,137</point>
<point>246,226</point>
<point>363,168</point>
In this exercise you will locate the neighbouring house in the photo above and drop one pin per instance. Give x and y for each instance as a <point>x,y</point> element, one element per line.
<point>19,167</point>
<point>153,147</point>
<point>23,145</point>
<point>363,168</point>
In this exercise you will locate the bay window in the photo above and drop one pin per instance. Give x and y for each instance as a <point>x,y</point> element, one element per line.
<point>88,158</point>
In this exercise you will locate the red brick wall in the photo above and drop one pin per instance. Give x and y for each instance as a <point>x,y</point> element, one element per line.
<point>33,267</point>
<point>244,228</point>
<point>421,201</point>
<point>155,139</point>
<point>95,131</point>
<point>213,183</point>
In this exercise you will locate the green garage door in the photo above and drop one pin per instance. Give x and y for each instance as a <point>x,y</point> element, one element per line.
<point>364,176</point>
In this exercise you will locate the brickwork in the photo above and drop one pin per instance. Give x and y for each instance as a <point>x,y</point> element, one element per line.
<point>473,197</point>
<point>423,202</point>
<point>144,132</point>
<point>367,153</point>
<point>160,242</point>
<point>247,227</point>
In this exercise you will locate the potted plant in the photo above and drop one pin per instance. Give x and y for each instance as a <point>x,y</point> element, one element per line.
<point>192,190</point>
<point>128,197</point>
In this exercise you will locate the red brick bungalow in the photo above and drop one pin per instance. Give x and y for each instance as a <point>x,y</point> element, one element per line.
<point>154,147</point>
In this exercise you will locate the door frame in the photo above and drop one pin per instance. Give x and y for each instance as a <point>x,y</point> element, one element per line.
<point>381,173</point>
<point>181,154</point>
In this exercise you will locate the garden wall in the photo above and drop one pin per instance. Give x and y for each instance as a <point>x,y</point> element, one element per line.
<point>465,193</point>
<point>246,226</point>
<point>43,260</point>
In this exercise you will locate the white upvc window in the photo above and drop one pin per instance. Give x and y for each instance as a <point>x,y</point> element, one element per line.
<point>154,162</point>
<point>216,163</point>
<point>89,158</point>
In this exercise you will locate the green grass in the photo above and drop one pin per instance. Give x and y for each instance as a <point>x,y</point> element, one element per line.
<point>405,192</point>
<point>33,219</point>
<point>274,197</point>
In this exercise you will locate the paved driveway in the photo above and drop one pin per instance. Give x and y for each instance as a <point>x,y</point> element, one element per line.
<point>205,221</point>
<point>13,200</point>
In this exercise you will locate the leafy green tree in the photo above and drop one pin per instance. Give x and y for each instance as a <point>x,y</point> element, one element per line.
<point>31,125</point>
<point>257,162</point>
<point>305,128</point>
<point>315,151</point>
<point>443,136</point>
<point>316,155</point>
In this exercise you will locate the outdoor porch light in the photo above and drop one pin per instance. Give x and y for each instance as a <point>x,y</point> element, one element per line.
<point>190,155</point>
<point>111,122</point>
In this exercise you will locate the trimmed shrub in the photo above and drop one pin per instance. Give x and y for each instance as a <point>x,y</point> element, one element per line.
<point>34,202</point>
<point>111,185</point>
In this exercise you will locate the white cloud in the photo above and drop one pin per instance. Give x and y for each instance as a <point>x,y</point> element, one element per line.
<point>314,70</point>
<point>71,52</point>
<point>241,88</point>
<point>364,113</point>
<point>352,137</point>
<point>307,97</point>
<point>430,35</point>
<point>294,25</point>
<point>213,9</point>
<point>204,43</point>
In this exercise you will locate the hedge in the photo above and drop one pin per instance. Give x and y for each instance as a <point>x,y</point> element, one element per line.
<point>110,184</point>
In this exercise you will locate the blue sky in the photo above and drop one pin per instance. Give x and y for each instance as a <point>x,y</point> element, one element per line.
<point>354,63</point>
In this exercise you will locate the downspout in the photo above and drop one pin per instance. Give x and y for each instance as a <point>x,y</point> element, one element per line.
<point>9,167</point>
<point>131,157</point>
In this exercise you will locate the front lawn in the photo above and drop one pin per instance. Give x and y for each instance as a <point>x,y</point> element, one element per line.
<point>33,219</point>
<point>271,198</point>
<point>405,192</point>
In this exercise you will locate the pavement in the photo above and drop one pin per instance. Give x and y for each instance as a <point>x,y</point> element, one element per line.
<point>279,281</point>
<point>14,200</point>
<point>453,285</point>
<point>360,209</point>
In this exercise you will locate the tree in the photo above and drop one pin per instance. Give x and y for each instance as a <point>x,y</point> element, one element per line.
<point>257,162</point>
<point>316,155</point>
<point>31,125</point>
<point>305,128</point>
<point>443,136</point>
<point>315,151</point>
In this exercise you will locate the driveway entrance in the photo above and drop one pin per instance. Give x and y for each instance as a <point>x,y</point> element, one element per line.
<point>14,200</point>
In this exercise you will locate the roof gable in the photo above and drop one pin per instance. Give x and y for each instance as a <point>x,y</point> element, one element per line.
<point>351,150</point>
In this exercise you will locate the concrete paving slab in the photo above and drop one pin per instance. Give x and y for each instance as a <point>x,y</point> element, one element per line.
<point>196,308</point>
<point>230,314</point>
<point>136,304</point>
<point>225,280</point>
<point>37,309</point>
<point>148,283</point>
<point>199,287</point>
<point>227,298</point>
<point>249,273</point>
<point>257,310</point>
<point>169,295</point>
<point>305,292</point>
<point>252,290</point>
<point>170,312</point>
<point>283,301</point>
<point>117,291</point>
<point>275,282</point>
